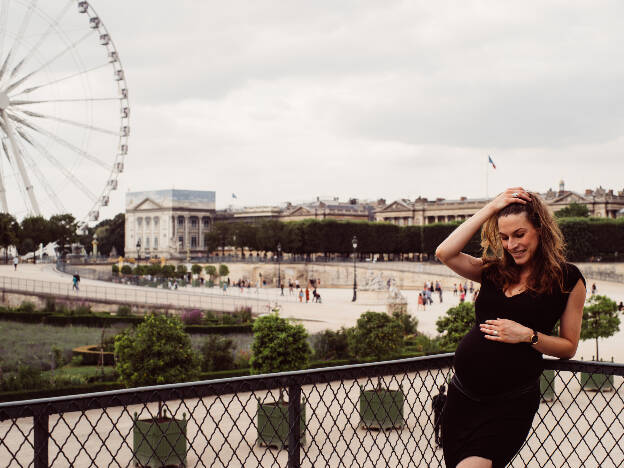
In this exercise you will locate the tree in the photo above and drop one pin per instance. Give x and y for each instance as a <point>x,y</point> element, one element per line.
<point>35,230</point>
<point>211,271</point>
<point>156,352</point>
<point>223,270</point>
<point>456,323</point>
<point>196,269</point>
<point>9,232</point>
<point>573,210</point>
<point>111,233</point>
<point>600,319</point>
<point>63,230</point>
<point>376,334</point>
<point>278,345</point>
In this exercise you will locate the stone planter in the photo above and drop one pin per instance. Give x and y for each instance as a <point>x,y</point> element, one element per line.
<point>159,442</point>
<point>596,382</point>
<point>381,408</point>
<point>547,385</point>
<point>272,423</point>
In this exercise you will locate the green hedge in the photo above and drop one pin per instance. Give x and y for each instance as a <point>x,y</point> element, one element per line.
<point>103,320</point>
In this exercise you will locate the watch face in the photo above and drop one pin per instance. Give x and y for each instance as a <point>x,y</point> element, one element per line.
<point>534,339</point>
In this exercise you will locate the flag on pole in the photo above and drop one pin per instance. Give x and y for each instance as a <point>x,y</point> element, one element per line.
<point>491,162</point>
<point>234,195</point>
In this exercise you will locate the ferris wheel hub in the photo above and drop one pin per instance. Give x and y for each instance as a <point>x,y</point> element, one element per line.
<point>4,100</point>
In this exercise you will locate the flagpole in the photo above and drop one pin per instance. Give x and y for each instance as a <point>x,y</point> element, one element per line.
<point>487,162</point>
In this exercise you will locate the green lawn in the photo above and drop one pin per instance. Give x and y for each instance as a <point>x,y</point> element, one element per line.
<point>81,372</point>
<point>31,344</point>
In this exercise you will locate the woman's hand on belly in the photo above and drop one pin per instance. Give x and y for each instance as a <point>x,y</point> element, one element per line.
<point>506,331</point>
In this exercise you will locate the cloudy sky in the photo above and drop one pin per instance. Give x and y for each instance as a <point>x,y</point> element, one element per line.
<point>288,100</point>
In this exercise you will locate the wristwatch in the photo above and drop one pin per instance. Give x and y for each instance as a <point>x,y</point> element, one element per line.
<point>534,338</point>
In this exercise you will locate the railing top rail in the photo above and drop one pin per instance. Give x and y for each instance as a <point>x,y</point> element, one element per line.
<point>187,390</point>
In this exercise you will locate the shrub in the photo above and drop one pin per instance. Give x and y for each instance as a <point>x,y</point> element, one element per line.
<point>115,269</point>
<point>241,359</point>
<point>217,353</point>
<point>376,334</point>
<point>50,305</point>
<point>330,344</point>
<point>57,357</point>
<point>407,321</point>
<point>124,310</point>
<point>243,314</point>
<point>278,345</point>
<point>126,270</point>
<point>223,270</point>
<point>27,307</point>
<point>26,378</point>
<point>196,269</point>
<point>76,361</point>
<point>192,317</point>
<point>422,343</point>
<point>211,271</point>
<point>83,309</point>
<point>181,270</point>
<point>157,351</point>
<point>456,323</point>
<point>154,269</point>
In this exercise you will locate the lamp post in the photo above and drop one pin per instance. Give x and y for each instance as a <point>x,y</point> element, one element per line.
<point>279,273</point>
<point>354,242</point>
<point>138,246</point>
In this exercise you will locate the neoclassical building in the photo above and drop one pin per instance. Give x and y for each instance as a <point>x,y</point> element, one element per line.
<point>168,223</point>
<point>599,202</point>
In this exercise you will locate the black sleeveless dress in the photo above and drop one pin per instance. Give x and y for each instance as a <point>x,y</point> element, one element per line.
<point>495,392</point>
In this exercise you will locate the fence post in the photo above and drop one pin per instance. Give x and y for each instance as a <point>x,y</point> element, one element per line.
<point>294,426</point>
<point>41,434</point>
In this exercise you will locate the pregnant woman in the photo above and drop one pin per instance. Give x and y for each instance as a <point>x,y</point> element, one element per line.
<point>526,287</point>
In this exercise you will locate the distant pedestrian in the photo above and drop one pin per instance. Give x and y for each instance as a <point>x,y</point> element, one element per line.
<point>300,295</point>
<point>594,289</point>
<point>290,287</point>
<point>621,306</point>
<point>225,285</point>
<point>471,287</point>
<point>462,296</point>
<point>454,289</point>
<point>307,295</point>
<point>75,280</point>
<point>440,294</point>
<point>15,262</point>
<point>428,298</point>
<point>437,404</point>
<point>421,302</point>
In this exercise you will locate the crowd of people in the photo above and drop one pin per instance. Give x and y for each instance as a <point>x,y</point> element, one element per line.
<point>431,288</point>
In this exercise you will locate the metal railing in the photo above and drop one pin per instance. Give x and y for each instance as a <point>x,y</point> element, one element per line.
<point>330,419</point>
<point>145,297</point>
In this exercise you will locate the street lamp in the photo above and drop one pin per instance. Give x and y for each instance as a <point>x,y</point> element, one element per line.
<point>279,274</point>
<point>138,246</point>
<point>354,242</point>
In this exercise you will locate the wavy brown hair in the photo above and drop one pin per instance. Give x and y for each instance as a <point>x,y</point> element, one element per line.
<point>548,261</point>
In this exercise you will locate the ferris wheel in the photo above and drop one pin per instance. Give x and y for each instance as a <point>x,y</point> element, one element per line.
<point>64,111</point>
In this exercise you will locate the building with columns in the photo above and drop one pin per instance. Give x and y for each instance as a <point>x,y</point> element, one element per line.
<point>168,223</point>
<point>600,203</point>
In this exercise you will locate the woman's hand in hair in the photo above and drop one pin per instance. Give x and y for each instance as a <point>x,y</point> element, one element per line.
<point>506,331</point>
<point>507,197</point>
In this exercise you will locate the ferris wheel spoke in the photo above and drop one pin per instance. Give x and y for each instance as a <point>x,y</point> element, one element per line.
<point>3,200</point>
<point>62,141</point>
<point>19,102</point>
<point>73,75</point>
<point>42,150</point>
<point>49,62</point>
<point>4,16</point>
<point>17,157</point>
<point>43,38</point>
<point>70,122</point>
<point>23,26</point>
<point>40,177</point>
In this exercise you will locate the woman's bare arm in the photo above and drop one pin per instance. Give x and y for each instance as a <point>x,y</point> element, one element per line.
<point>449,251</point>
